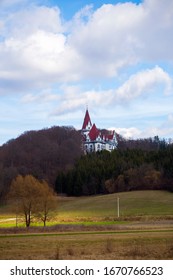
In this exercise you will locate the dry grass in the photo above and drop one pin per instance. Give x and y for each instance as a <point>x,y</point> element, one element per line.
<point>57,253</point>
<point>109,246</point>
<point>89,246</point>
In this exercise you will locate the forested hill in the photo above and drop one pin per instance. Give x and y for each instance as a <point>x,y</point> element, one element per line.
<point>121,170</point>
<point>41,153</point>
<point>56,155</point>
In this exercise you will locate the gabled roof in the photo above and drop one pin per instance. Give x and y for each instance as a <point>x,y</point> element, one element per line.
<point>87,120</point>
<point>108,136</point>
<point>94,133</point>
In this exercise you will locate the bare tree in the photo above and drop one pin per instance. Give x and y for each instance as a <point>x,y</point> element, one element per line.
<point>46,203</point>
<point>31,196</point>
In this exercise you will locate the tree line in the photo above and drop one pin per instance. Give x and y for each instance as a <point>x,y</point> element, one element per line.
<point>55,155</point>
<point>121,170</point>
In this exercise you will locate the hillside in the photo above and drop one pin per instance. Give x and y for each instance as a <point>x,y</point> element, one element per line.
<point>132,205</point>
<point>41,153</point>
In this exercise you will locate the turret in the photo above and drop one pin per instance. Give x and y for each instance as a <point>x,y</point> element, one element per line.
<point>86,123</point>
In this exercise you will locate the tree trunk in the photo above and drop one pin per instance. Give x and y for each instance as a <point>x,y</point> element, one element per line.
<point>28,219</point>
<point>44,222</point>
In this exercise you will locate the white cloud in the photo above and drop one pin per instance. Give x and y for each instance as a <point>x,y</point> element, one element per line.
<point>120,35</point>
<point>97,44</point>
<point>41,59</point>
<point>75,101</point>
<point>30,20</point>
<point>155,31</point>
<point>104,42</point>
<point>164,130</point>
<point>11,2</point>
<point>44,97</point>
<point>144,82</point>
<point>131,132</point>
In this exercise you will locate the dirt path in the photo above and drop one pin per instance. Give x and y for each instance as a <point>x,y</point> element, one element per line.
<point>7,220</point>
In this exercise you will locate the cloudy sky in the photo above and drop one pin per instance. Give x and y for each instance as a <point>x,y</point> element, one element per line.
<point>57,57</point>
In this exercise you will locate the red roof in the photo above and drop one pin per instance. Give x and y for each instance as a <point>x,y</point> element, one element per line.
<point>94,133</point>
<point>108,136</point>
<point>87,120</point>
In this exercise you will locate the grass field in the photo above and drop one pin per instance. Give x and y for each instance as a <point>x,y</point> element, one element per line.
<point>88,228</point>
<point>103,208</point>
<point>139,203</point>
<point>91,245</point>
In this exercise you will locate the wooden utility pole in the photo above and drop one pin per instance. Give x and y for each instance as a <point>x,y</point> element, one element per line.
<point>118,207</point>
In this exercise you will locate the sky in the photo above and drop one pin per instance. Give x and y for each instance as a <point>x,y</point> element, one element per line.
<point>58,58</point>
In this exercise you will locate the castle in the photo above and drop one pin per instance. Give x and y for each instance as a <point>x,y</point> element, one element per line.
<point>93,138</point>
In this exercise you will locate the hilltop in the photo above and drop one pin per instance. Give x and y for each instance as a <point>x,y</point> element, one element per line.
<point>41,153</point>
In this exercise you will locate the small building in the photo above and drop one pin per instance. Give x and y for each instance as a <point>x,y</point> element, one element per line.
<point>95,140</point>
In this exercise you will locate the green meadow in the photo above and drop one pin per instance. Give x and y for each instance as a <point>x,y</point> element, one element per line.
<point>102,209</point>
<point>139,203</point>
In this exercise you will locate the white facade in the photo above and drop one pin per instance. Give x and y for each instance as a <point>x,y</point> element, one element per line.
<point>94,140</point>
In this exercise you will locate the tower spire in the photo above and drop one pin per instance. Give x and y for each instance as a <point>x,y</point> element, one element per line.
<point>87,121</point>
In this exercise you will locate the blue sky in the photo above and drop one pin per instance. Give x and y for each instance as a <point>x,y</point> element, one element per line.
<point>57,57</point>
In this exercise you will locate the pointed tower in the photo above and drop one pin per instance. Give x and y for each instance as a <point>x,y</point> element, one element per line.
<point>86,123</point>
